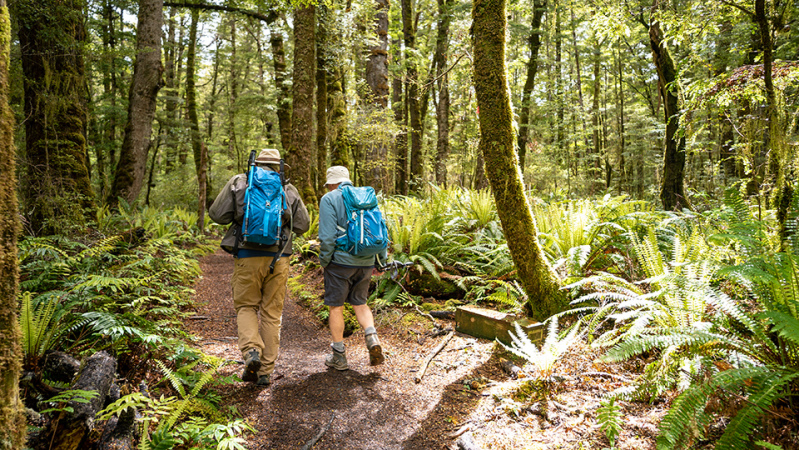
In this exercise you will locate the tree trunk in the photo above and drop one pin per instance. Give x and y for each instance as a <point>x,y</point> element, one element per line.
<point>401,117</point>
<point>321,102</point>
<point>283,90</point>
<point>442,106</point>
<point>301,155</point>
<point>12,416</point>
<point>198,147</point>
<point>171,126</point>
<point>672,193</point>
<point>233,94</point>
<point>502,165</point>
<point>412,93</point>
<point>144,87</point>
<point>534,40</point>
<point>56,184</point>
<point>375,171</point>
<point>337,105</point>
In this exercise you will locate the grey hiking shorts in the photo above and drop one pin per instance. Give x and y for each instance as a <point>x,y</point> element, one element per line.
<point>350,284</point>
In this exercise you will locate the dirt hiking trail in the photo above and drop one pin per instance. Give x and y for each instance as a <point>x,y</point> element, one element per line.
<point>381,408</point>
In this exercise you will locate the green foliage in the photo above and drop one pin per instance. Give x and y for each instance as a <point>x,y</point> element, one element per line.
<point>545,359</point>
<point>39,325</point>
<point>610,420</point>
<point>59,401</point>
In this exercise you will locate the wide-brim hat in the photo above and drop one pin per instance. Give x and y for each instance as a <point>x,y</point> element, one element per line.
<point>337,174</point>
<point>269,156</point>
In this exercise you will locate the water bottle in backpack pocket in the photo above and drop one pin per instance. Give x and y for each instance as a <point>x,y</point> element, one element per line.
<point>366,233</point>
<point>264,203</point>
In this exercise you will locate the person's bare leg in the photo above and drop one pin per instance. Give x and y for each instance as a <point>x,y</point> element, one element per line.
<point>336,323</point>
<point>364,316</point>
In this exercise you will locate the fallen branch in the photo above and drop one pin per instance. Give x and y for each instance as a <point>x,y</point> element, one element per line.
<point>435,352</point>
<point>319,435</point>
<point>462,430</point>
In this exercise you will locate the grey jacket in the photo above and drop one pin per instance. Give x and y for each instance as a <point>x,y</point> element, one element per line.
<point>332,217</point>
<point>228,208</point>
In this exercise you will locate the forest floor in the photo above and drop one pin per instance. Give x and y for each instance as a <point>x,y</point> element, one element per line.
<point>464,389</point>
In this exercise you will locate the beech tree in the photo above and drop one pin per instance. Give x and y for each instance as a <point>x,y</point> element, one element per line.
<point>502,163</point>
<point>12,416</point>
<point>56,186</point>
<point>147,81</point>
<point>301,154</point>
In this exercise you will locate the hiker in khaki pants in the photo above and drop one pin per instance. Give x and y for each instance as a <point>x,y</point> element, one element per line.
<point>258,295</point>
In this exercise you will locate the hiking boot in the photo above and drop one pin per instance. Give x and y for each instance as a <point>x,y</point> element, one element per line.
<point>252,362</point>
<point>337,361</point>
<point>375,350</point>
<point>264,380</point>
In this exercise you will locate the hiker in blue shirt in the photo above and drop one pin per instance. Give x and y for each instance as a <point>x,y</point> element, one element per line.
<point>346,276</point>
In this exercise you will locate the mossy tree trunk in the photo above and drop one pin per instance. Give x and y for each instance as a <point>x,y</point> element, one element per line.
<point>501,161</point>
<point>401,118</point>
<point>534,40</point>
<point>12,418</point>
<point>374,169</point>
<point>672,192</point>
<point>322,67</point>
<point>337,105</point>
<point>442,106</point>
<point>302,155</point>
<point>283,91</point>
<point>56,185</point>
<point>144,86</point>
<point>199,149</point>
<point>416,171</point>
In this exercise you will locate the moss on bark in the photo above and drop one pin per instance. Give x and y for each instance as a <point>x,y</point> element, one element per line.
<point>56,188</point>
<point>302,152</point>
<point>12,419</point>
<point>501,161</point>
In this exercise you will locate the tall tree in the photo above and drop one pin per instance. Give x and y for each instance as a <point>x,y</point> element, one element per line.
<point>501,162</point>
<point>321,100</point>
<point>56,182</point>
<point>302,155</point>
<point>401,118</point>
<point>12,416</point>
<point>199,149</point>
<point>412,93</point>
<point>534,41</point>
<point>672,193</point>
<point>283,89</point>
<point>375,172</point>
<point>147,81</point>
<point>443,103</point>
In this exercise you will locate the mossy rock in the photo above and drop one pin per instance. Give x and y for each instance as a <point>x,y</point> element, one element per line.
<point>430,306</point>
<point>427,285</point>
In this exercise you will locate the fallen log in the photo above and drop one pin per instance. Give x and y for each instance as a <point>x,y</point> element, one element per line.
<point>436,351</point>
<point>511,369</point>
<point>119,432</point>
<point>68,430</point>
<point>59,366</point>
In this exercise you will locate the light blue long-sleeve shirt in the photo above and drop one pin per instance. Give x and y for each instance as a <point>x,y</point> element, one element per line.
<point>332,216</point>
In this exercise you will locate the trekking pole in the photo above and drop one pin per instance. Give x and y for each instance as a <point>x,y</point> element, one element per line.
<point>284,238</point>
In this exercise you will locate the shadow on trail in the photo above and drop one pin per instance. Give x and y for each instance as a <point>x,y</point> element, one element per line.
<point>305,407</point>
<point>456,404</point>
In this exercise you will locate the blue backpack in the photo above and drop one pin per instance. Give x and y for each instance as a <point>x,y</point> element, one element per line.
<point>264,203</point>
<point>366,233</point>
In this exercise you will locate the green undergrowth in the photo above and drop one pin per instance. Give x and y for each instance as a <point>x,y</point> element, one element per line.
<point>125,286</point>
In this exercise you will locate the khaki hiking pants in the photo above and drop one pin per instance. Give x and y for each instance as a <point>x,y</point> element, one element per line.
<point>256,293</point>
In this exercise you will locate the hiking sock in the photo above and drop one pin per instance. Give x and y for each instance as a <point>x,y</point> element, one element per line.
<point>338,346</point>
<point>369,330</point>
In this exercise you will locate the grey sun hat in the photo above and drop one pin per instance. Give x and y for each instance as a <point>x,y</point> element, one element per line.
<point>269,156</point>
<point>337,174</point>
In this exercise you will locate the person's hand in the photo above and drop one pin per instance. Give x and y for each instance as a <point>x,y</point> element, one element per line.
<point>376,273</point>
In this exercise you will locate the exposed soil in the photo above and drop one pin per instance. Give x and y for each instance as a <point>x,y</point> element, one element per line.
<point>382,407</point>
